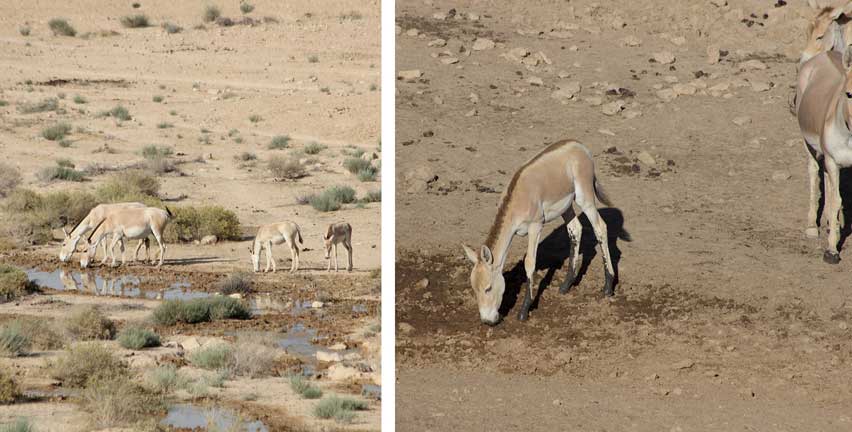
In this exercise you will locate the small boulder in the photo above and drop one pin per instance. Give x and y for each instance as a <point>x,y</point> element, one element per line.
<point>209,240</point>
<point>482,44</point>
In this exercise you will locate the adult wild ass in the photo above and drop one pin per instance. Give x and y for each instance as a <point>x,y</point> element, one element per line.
<point>823,93</point>
<point>94,217</point>
<point>827,32</point>
<point>541,190</point>
<point>274,234</point>
<point>129,223</point>
<point>336,233</point>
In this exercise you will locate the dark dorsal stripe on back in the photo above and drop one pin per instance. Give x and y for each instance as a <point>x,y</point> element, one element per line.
<point>497,226</point>
<point>75,226</point>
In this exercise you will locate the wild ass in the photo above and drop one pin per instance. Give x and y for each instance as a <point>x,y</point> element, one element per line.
<point>543,189</point>
<point>130,223</point>
<point>340,232</point>
<point>95,216</point>
<point>826,32</point>
<point>824,91</point>
<point>274,234</point>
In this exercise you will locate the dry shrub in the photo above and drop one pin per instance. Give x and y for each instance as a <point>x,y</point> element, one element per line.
<point>89,323</point>
<point>10,178</point>
<point>117,401</point>
<point>13,283</point>
<point>9,391</point>
<point>86,362</point>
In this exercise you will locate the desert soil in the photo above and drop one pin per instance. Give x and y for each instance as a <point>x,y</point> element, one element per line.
<point>725,316</point>
<point>308,72</point>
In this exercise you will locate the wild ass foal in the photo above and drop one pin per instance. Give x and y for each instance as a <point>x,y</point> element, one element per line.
<point>823,94</point>
<point>340,232</point>
<point>541,190</point>
<point>277,233</point>
<point>94,217</point>
<point>129,223</point>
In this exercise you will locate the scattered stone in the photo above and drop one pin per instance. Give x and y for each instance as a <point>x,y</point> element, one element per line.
<point>543,57</point>
<point>594,100</point>
<point>517,54</point>
<point>209,240</point>
<point>423,283</point>
<point>684,89</point>
<point>683,364</point>
<point>719,3</point>
<point>404,327</point>
<point>316,304</point>
<point>753,65</point>
<point>631,41</point>
<point>664,57</point>
<point>606,132</point>
<point>473,98</point>
<point>646,158</point>
<point>481,44</point>
<point>413,32</point>
<point>760,86</point>
<point>713,54</point>
<point>535,81</point>
<point>437,43</point>
<point>678,40</point>
<point>742,120</point>
<point>566,90</point>
<point>339,372</point>
<point>328,357</point>
<point>667,95</point>
<point>449,60</point>
<point>471,113</point>
<point>557,402</point>
<point>613,108</point>
<point>410,75</point>
<point>781,176</point>
<point>617,22</point>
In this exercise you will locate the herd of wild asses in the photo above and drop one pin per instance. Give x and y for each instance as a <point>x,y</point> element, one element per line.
<point>548,185</point>
<point>112,224</point>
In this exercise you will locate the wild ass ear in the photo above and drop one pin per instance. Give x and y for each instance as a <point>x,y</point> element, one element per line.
<point>65,232</point>
<point>471,255</point>
<point>250,251</point>
<point>485,255</point>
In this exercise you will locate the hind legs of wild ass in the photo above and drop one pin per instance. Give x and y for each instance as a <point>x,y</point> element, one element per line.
<point>294,258</point>
<point>599,227</point>
<point>575,232</point>
<point>812,231</point>
<point>534,233</point>
<point>270,260</point>
<point>834,209</point>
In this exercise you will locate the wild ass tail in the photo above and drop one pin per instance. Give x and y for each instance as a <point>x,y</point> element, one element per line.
<point>169,212</point>
<point>599,192</point>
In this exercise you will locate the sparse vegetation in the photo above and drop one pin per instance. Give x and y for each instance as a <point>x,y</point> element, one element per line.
<point>153,151</point>
<point>78,99</point>
<point>9,391</point>
<point>211,13</point>
<point>235,283</point>
<point>89,323</point>
<point>286,168</point>
<point>300,385</point>
<point>117,401</point>
<point>44,105</point>
<point>137,338</point>
<point>165,379</point>
<point>56,132</point>
<point>193,223</point>
<point>171,28</point>
<point>324,202</point>
<point>313,58</point>
<point>40,332</point>
<point>134,21</point>
<point>254,118</point>
<point>20,424</point>
<point>37,214</point>
<point>59,172</point>
<point>352,15</point>
<point>131,185</point>
<point>13,341</point>
<point>367,174</point>
<point>157,98</point>
<point>195,311</point>
<point>85,362</point>
<point>246,7</point>
<point>246,157</point>
<point>61,27</point>
<point>10,178</point>
<point>120,113</point>
<point>3,103</point>
<point>339,408</point>
<point>25,30</point>
<point>344,194</point>
<point>372,196</point>
<point>313,148</point>
<point>279,142</point>
<point>164,125</point>
<point>212,357</point>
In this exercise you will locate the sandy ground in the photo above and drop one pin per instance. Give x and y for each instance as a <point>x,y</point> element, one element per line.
<point>724,318</point>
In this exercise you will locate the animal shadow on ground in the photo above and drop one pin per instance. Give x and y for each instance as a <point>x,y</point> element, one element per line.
<point>554,250</point>
<point>197,260</point>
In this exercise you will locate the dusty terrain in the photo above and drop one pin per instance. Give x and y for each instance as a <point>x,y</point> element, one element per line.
<point>210,92</point>
<point>725,316</point>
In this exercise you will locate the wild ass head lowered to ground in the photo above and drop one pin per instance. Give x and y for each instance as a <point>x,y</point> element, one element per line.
<point>336,233</point>
<point>94,217</point>
<point>129,223</point>
<point>544,188</point>
<point>274,234</point>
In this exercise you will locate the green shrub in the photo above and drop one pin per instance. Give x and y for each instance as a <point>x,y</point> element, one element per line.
<point>246,7</point>
<point>134,21</point>
<point>212,357</point>
<point>117,401</point>
<point>78,99</point>
<point>13,341</point>
<point>13,283</point>
<point>372,196</point>
<point>338,408</point>
<point>344,194</point>
<point>3,103</point>
<point>119,112</point>
<point>352,15</point>
<point>85,362</point>
<point>301,387</point>
<point>153,151</point>
<point>61,27</point>
<point>355,164</point>
<point>126,186</point>
<point>157,98</point>
<point>367,174</point>
<point>235,283</point>
<point>313,148</point>
<point>244,157</point>
<point>25,30</point>
<point>136,338</point>
<point>44,105</point>
<point>324,202</point>
<point>41,333</point>
<point>211,13</point>
<point>20,424</point>
<point>57,172</point>
<point>227,308</point>
<point>286,168</point>
<point>89,323</point>
<point>194,311</point>
<point>193,223</point>
<point>279,142</point>
<point>10,178</point>
<point>171,28</point>
<point>9,391</point>
<point>313,58</point>
<point>312,393</point>
<point>165,379</point>
<point>254,118</point>
<point>253,360</point>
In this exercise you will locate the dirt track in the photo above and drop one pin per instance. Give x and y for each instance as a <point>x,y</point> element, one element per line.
<point>725,317</point>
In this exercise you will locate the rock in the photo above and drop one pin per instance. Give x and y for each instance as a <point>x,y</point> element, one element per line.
<point>631,41</point>
<point>617,22</point>
<point>646,158</point>
<point>237,296</point>
<point>594,100</point>
<point>566,90</point>
<point>718,89</point>
<point>664,57</point>
<point>404,327</point>
<point>423,283</point>
<point>780,176</point>
<point>666,95</point>
<point>719,3</point>
<point>328,356</point>
<point>517,54</point>
<point>316,304</point>
<point>471,113</point>
<point>742,120</point>
<point>683,364</point>
<point>209,240</point>
<point>438,100</point>
<point>481,44</point>
<point>339,372</point>
<point>449,60</point>
<point>557,402</point>
<point>613,108</point>
<point>678,40</point>
<point>340,346</point>
<point>760,86</point>
<point>473,98</point>
<point>440,16</point>
<point>437,43</point>
<point>413,32</point>
<point>606,132</point>
<point>535,81</point>
<point>752,65</point>
<point>713,54</point>
<point>684,89</point>
<point>544,58</point>
<point>410,75</point>
<point>630,114</point>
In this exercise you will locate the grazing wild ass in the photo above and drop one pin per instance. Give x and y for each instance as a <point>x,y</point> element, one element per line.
<point>130,223</point>
<point>340,232</point>
<point>541,190</point>
<point>275,234</point>
<point>95,216</point>
<point>824,92</point>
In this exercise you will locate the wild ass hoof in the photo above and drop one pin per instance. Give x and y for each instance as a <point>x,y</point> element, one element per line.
<point>523,314</point>
<point>831,257</point>
<point>567,284</point>
<point>609,291</point>
<point>812,232</point>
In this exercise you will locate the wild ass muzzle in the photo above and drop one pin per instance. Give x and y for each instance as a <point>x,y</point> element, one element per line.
<point>543,189</point>
<point>337,233</point>
<point>274,234</point>
<point>824,92</point>
<point>132,223</point>
<point>93,218</point>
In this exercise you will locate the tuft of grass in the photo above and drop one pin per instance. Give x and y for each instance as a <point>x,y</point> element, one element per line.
<point>352,15</point>
<point>252,359</point>
<point>9,391</point>
<point>279,142</point>
<point>211,13</point>
<point>286,168</point>
<point>44,105</point>
<point>21,424</point>
<point>324,203</point>
<point>235,283</point>
<point>135,21</point>
<point>246,157</point>
<point>213,357</point>
<point>56,132</point>
<point>114,402</point>
<point>254,118</point>
<point>136,338</point>
<point>300,385</point>
<point>165,379</point>
<point>367,174</point>
<point>372,196</point>
<point>171,28</point>
<point>313,148</point>
<point>164,125</point>
<point>25,30</point>
<point>85,362</point>
<point>64,143</point>
<point>38,214</point>
<point>157,98</point>
<point>338,408</point>
<point>3,103</point>
<point>152,151</point>
<point>10,178</point>
<point>344,194</point>
<point>126,186</point>
<point>120,113</point>
<point>78,99</point>
<point>13,341</point>
<point>61,27</point>
<point>246,7</point>
<point>89,323</point>
<point>41,333</point>
<point>193,223</point>
<point>195,311</point>
<point>59,172</point>
<point>313,58</point>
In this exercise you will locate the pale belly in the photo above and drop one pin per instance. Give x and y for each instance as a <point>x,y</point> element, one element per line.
<point>278,239</point>
<point>551,211</point>
<point>137,232</point>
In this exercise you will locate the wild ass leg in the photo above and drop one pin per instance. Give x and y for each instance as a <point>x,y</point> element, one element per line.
<point>115,240</point>
<point>529,265</point>
<point>348,247</point>
<point>575,232</point>
<point>271,258</point>
<point>139,246</point>
<point>294,258</point>
<point>335,258</point>
<point>159,237</point>
<point>599,226</point>
<point>833,209</point>
<point>813,182</point>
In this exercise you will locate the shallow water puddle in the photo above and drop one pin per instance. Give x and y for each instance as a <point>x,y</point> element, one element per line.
<point>371,391</point>
<point>90,282</point>
<point>187,416</point>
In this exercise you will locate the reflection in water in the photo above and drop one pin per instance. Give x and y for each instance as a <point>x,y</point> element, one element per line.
<point>89,282</point>
<point>186,416</point>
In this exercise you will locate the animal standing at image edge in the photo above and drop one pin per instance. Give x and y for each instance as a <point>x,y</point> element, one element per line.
<point>543,189</point>
<point>275,234</point>
<point>340,232</point>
